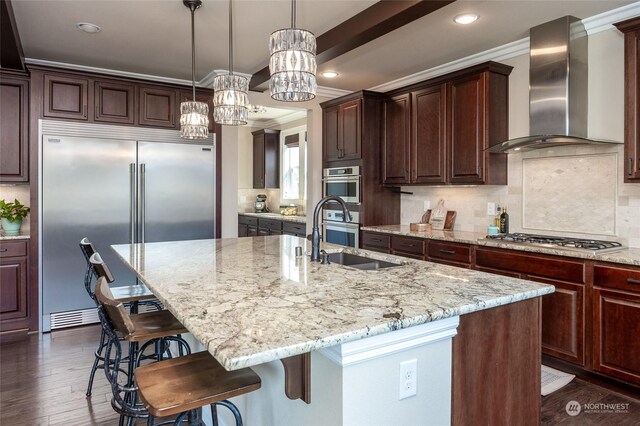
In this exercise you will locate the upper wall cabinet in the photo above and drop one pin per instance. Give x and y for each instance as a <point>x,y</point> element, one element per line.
<point>342,131</point>
<point>114,102</point>
<point>66,97</point>
<point>266,158</point>
<point>14,123</point>
<point>436,132</point>
<point>631,30</point>
<point>157,107</point>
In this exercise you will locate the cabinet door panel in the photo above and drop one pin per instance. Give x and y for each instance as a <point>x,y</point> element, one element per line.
<point>252,231</point>
<point>258,161</point>
<point>13,290</point>
<point>330,134</point>
<point>429,144</point>
<point>616,330</point>
<point>65,97</point>
<point>466,129</point>
<point>114,102</point>
<point>397,140</point>
<point>14,151</point>
<point>157,107</point>
<point>350,129</point>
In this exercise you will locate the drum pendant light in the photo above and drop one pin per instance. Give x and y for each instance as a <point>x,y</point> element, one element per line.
<point>230,92</point>
<point>292,63</point>
<point>194,116</point>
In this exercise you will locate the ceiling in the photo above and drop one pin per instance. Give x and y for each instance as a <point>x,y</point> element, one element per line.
<point>152,36</point>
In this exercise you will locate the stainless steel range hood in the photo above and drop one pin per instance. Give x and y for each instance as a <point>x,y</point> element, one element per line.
<point>558,88</point>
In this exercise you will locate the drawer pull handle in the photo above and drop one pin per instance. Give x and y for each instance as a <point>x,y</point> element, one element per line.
<point>447,251</point>
<point>3,250</point>
<point>407,245</point>
<point>377,240</point>
<point>632,281</point>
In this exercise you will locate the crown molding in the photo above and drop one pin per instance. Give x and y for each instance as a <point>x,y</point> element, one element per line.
<point>593,25</point>
<point>605,20</point>
<point>330,92</point>
<point>295,115</point>
<point>111,72</point>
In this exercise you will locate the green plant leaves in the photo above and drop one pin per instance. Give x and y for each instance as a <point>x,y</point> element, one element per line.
<point>13,211</point>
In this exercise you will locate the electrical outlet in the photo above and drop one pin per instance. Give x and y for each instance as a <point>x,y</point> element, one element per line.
<point>408,380</point>
<point>491,209</point>
<point>427,205</point>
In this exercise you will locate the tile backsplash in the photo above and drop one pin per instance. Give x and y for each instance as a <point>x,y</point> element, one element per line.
<point>574,192</point>
<point>247,199</point>
<point>22,193</point>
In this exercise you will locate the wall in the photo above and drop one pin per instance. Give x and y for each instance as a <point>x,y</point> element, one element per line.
<point>606,121</point>
<point>22,193</point>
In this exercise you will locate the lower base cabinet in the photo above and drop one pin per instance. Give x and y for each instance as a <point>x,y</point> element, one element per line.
<point>16,306</point>
<point>251,226</point>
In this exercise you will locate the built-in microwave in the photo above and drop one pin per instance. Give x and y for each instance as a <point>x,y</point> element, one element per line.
<point>343,182</point>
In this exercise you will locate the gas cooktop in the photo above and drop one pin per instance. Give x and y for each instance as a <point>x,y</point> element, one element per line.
<point>562,243</point>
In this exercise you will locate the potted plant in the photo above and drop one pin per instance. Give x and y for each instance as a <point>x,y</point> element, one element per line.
<point>11,215</point>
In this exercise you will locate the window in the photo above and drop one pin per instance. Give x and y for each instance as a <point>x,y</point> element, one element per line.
<point>293,162</point>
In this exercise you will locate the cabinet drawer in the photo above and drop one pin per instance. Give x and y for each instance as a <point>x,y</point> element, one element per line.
<point>616,277</point>
<point>541,266</point>
<point>449,252</point>
<point>270,224</point>
<point>13,248</point>
<point>248,220</point>
<point>372,239</point>
<point>408,245</point>
<point>294,227</point>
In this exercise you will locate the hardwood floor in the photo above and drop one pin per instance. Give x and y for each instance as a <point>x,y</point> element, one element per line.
<point>43,381</point>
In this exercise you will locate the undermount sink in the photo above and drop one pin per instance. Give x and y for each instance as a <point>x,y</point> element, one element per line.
<point>359,262</point>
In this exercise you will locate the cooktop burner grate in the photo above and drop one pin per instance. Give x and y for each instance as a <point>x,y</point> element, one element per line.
<point>576,244</point>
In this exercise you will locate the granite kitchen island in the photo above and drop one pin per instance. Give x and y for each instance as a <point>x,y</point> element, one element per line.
<point>251,302</point>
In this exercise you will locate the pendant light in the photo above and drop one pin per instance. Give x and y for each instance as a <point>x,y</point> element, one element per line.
<point>230,92</point>
<point>194,116</point>
<point>292,64</point>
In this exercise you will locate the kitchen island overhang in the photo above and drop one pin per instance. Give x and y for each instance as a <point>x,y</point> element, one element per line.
<point>251,300</point>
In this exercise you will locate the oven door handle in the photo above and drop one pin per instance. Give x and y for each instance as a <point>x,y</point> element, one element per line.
<point>339,226</point>
<point>341,179</point>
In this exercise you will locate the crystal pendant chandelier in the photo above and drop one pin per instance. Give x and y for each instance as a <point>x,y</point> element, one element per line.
<point>230,92</point>
<point>292,64</point>
<point>194,116</point>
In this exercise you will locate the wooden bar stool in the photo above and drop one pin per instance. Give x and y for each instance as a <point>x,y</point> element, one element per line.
<point>153,328</point>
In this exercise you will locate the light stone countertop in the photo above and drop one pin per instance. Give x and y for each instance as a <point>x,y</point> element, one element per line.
<point>20,236</point>
<point>251,301</point>
<point>278,216</point>
<point>628,256</point>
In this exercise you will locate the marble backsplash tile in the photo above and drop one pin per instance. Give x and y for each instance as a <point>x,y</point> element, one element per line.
<point>247,199</point>
<point>470,202</point>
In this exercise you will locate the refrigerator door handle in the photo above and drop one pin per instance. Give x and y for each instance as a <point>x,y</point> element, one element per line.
<point>143,202</point>
<point>132,203</point>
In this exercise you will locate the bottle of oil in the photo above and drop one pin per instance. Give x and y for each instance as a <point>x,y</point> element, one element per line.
<point>496,220</point>
<point>504,221</point>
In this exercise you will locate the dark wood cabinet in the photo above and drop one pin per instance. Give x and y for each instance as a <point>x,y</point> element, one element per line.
<point>16,304</point>
<point>631,30</point>
<point>436,132</point>
<point>342,131</point>
<point>455,254</point>
<point>397,140</point>
<point>408,247</point>
<point>616,322</point>
<point>266,159</point>
<point>251,226</point>
<point>157,107</point>
<point>114,102</point>
<point>294,228</point>
<point>428,143</point>
<point>66,97</point>
<point>14,122</point>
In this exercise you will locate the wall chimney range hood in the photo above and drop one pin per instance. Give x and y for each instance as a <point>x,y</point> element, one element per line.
<point>558,80</point>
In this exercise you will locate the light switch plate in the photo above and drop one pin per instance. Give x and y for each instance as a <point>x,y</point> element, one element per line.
<point>491,209</point>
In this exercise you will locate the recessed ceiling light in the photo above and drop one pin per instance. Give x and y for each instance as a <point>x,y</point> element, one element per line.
<point>88,27</point>
<point>465,18</point>
<point>329,74</point>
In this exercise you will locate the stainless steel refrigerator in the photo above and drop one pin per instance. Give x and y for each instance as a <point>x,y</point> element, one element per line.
<point>97,183</point>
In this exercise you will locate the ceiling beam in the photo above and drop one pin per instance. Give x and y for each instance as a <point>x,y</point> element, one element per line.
<point>11,54</point>
<point>373,22</point>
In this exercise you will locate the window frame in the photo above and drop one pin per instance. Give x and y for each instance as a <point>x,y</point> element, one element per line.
<point>302,131</point>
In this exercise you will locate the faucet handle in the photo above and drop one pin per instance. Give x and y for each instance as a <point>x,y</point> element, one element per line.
<point>324,258</point>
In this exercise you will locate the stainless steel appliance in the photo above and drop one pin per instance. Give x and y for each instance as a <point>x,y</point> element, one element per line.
<point>562,243</point>
<point>336,231</point>
<point>114,185</point>
<point>261,203</point>
<point>343,182</point>
<point>558,86</point>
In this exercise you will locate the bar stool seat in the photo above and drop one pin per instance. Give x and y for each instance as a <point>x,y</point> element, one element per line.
<point>152,325</point>
<point>190,382</point>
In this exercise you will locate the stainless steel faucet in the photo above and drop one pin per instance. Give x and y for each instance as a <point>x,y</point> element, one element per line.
<point>315,233</point>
